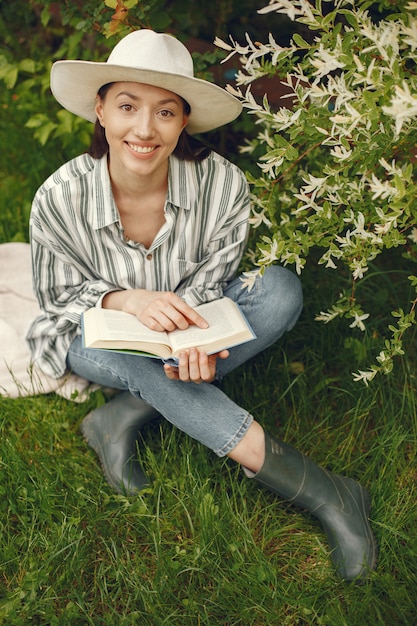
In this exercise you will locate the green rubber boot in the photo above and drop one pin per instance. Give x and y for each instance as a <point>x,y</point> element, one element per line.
<point>112,431</point>
<point>341,504</point>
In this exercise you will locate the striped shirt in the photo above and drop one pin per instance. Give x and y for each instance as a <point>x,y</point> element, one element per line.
<point>79,252</point>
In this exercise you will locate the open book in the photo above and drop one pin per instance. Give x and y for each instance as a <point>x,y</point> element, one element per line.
<point>115,330</point>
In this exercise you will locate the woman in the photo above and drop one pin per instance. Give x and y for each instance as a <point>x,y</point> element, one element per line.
<point>151,223</point>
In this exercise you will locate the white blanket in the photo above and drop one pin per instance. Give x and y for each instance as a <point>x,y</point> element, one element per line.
<point>18,307</point>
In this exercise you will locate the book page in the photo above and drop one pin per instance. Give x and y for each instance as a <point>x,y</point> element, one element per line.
<point>219,326</point>
<point>121,326</point>
<point>225,322</point>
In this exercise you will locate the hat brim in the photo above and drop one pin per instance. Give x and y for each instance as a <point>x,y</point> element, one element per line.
<point>75,85</point>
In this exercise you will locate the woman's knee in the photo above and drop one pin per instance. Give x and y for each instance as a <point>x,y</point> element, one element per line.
<point>282,292</point>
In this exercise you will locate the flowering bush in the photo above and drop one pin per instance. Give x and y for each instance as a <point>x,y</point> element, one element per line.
<point>337,166</point>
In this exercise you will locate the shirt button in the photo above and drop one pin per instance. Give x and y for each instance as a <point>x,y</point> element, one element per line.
<point>149,257</point>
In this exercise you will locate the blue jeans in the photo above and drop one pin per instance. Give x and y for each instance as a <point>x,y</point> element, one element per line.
<point>202,411</point>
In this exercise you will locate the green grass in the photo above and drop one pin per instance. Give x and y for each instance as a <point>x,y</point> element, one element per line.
<point>204,545</point>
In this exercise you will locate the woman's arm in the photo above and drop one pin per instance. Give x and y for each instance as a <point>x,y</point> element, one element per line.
<point>63,293</point>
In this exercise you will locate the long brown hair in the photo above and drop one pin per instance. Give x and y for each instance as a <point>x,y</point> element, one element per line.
<point>187,148</point>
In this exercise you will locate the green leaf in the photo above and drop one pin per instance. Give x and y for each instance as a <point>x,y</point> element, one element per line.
<point>45,16</point>
<point>27,65</point>
<point>36,120</point>
<point>161,21</point>
<point>11,77</point>
<point>44,131</point>
<point>299,41</point>
<point>350,18</point>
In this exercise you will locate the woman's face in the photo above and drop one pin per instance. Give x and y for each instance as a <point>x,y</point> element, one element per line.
<point>142,126</point>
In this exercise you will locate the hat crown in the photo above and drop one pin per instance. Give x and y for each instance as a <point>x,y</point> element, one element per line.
<point>157,52</point>
<point>150,58</point>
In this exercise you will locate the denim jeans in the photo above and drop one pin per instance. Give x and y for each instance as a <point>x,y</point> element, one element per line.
<point>203,411</point>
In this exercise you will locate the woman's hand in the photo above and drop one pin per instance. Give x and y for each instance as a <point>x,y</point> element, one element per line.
<point>158,310</point>
<point>164,310</point>
<point>195,366</point>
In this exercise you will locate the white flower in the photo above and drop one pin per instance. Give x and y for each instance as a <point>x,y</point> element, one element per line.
<point>291,257</point>
<point>385,38</point>
<point>346,241</point>
<point>337,87</point>
<point>327,61</point>
<point>388,221</point>
<point>286,6</point>
<point>284,118</point>
<point>265,137</point>
<point>270,165</point>
<point>359,222</point>
<point>382,357</point>
<point>314,185</point>
<point>222,44</point>
<point>251,102</point>
<point>366,377</point>
<point>328,316</point>
<point>350,240</point>
<point>410,33</point>
<point>372,75</point>
<point>235,92</point>
<point>351,120</point>
<point>308,204</point>
<point>270,255</point>
<point>358,269</point>
<point>259,218</point>
<point>331,264</point>
<point>340,153</point>
<point>225,46</point>
<point>327,258</point>
<point>391,168</point>
<point>403,107</point>
<point>250,278</point>
<point>358,321</point>
<point>382,229</point>
<point>413,235</point>
<point>333,196</point>
<point>382,189</point>
<point>254,50</point>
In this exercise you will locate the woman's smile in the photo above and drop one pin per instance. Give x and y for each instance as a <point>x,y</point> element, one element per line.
<point>141,149</point>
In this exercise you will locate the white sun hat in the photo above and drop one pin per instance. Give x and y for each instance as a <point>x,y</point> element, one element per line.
<point>145,56</point>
